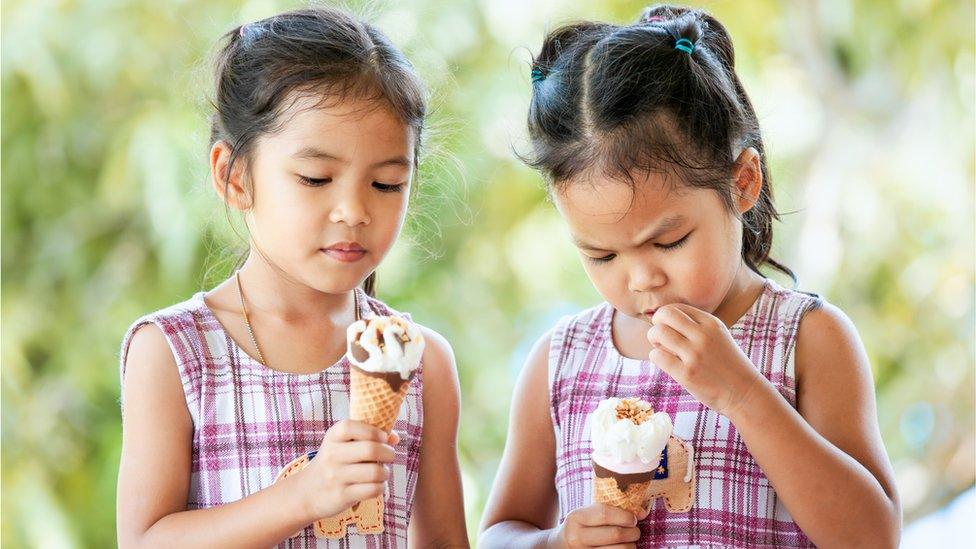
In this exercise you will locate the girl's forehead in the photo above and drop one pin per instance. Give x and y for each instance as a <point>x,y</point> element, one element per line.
<point>611,201</point>
<point>341,124</point>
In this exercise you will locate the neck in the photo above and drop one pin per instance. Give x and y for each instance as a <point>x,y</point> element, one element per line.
<point>271,292</point>
<point>741,294</point>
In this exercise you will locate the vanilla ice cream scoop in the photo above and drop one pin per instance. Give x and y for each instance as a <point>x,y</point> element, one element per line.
<point>385,344</point>
<point>627,435</point>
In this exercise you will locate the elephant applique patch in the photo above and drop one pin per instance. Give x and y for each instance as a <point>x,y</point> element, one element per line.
<point>674,478</point>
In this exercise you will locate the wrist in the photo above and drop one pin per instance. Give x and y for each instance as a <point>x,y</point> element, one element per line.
<point>554,537</point>
<point>299,499</point>
<point>753,399</point>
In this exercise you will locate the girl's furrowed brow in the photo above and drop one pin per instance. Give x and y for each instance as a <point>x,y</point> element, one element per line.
<point>662,228</point>
<point>583,245</point>
<point>659,229</point>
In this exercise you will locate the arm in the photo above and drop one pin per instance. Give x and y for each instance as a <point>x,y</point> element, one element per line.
<point>522,504</point>
<point>827,461</point>
<point>438,518</point>
<point>522,510</point>
<point>154,471</point>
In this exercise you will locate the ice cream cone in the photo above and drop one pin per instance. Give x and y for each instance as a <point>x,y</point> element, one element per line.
<point>376,398</point>
<point>628,440</point>
<point>633,498</point>
<point>384,355</point>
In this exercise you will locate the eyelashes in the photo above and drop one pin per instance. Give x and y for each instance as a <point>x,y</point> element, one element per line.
<point>676,244</point>
<point>599,260</point>
<point>381,187</point>
<point>387,188</point>
<point>666,247</point>
<point>313,182</point>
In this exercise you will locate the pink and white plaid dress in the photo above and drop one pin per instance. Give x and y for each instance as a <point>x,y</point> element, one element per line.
<point>734,504</point>
<point>250,421</point>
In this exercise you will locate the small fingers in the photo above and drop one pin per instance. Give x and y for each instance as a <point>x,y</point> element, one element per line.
<point>600,514</point>
<point>664,360</point>
<point>598,536</point>
<point>365,473</point>
<point>361,451</point>
<point>677,318</point>
<point>662,335</point>
<point>360,492</point>
<point>349,429</point>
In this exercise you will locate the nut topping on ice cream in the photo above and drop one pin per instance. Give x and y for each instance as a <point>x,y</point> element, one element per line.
<point>628,436</point>
<point>635,410</point>
<point>385,345</point>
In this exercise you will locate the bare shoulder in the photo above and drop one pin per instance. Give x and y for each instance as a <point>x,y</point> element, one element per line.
<point>442,391</point>
<point>438,354</point>
<point>539,354</point>
<point>828,343</point>
<point>826,320</point>
<point>149,363</point>
<point>835,390</point>
<point>530,400</point>
<point>152,389</point>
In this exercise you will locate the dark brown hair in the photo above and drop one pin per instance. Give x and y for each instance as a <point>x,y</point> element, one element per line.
<point>320,51</point>
<point>620,99</point>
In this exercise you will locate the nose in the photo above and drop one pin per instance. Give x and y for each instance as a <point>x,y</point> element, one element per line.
<point>644,277</point>
<point>349,208</point>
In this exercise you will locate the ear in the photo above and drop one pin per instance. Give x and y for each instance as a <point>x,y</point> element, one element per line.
<point>747,178</point>
<point>229,186</point>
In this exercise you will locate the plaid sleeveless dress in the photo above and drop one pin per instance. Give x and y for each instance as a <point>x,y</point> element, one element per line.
<point>734,505</point>
<point>249,421</point>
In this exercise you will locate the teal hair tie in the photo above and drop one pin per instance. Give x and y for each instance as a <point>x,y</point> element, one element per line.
<point>685,45</point>
<point>537,75</point>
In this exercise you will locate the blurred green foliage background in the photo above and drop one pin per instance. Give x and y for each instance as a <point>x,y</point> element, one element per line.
<point>868,112</point>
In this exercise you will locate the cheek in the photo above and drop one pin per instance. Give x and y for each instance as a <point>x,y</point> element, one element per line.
<point>709,269</point>
<point>289,212</point>
<point>388,215</point>
<point>607,280</point>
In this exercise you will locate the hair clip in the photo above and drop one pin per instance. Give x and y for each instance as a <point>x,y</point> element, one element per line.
<point>655,19</point>
<point>243,30</point>
<point>537,75</point>
<point>685,45</point>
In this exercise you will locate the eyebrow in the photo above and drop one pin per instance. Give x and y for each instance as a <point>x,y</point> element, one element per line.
<point>657,231</point>
<point>312,152</point>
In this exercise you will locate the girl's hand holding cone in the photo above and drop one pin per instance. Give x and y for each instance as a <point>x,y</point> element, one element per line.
<point>348,468</point>
<point>598,525</point>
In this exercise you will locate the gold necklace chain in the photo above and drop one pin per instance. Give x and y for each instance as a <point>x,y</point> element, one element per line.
<point>247,320</point>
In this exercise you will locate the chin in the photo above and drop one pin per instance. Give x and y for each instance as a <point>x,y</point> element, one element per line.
<point>334,281</point>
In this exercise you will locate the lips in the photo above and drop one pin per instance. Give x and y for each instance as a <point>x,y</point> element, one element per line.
<point>345,252</point>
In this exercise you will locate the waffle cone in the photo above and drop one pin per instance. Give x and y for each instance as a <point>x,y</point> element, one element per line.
<point>373,401</point>
<point>634,499</point>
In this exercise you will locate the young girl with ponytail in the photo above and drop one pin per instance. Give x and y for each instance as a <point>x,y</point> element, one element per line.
<point>654,159</point>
